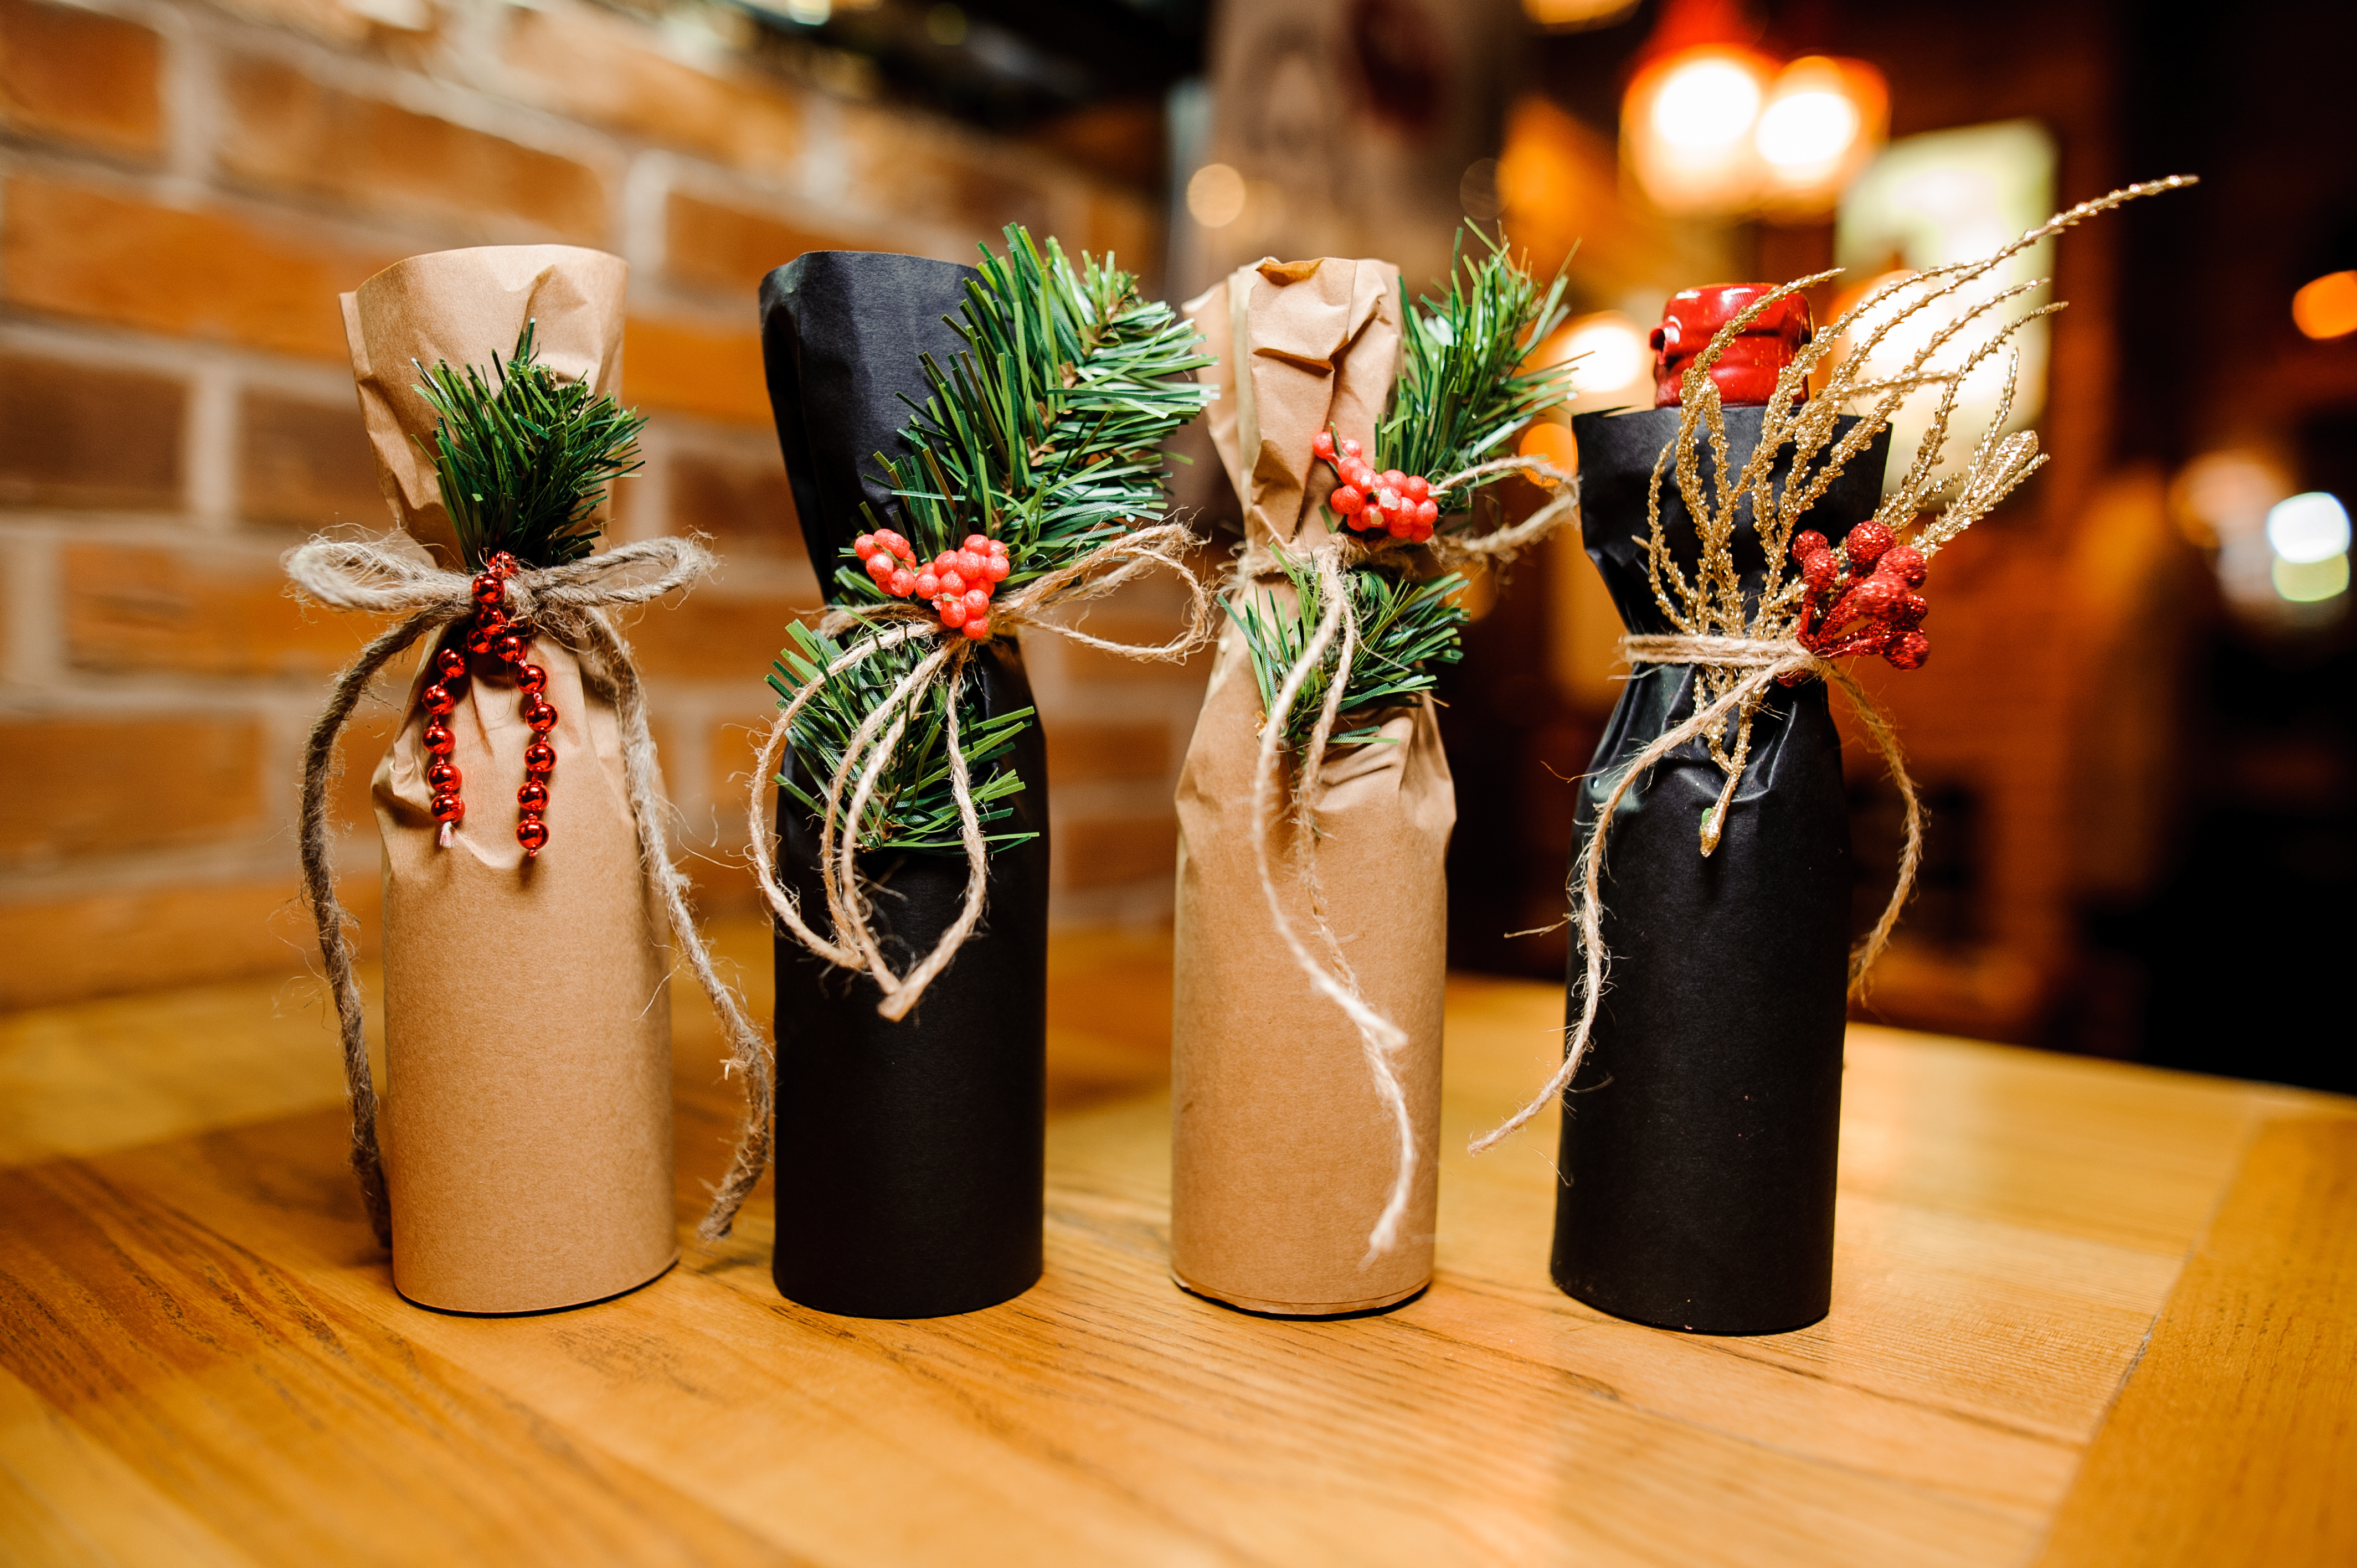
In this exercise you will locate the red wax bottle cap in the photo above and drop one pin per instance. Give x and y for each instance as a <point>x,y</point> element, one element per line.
<point>1746,372</point>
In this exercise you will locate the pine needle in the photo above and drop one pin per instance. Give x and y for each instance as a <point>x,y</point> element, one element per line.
<point>1406,628</point>
<point>525,456</point>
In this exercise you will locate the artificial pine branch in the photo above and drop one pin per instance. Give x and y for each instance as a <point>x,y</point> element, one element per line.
<point>1405,628</point>
<point>525,456</point>
<point>1046,430</point>
<point>913,806</point>
<point>1462,393</point>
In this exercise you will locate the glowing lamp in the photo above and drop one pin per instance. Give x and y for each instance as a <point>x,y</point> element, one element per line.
<point>1821,124</point>
<point>1686,128</point>
<point>2327,306</point>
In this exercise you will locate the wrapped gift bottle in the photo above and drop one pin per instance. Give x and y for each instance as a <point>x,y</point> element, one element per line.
<point>1699,1136</point>
<point>911,1156</point>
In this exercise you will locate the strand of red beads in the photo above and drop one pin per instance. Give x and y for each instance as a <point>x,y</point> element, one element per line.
<point>492,634</point>
<point>1871,585</point>
<point>1400,505</point>
<point>959,582</point>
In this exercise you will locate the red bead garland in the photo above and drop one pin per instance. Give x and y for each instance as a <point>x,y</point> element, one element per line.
<point>1871,585</point>
<point>959,582</point>
<point>1401,505</point>
<point>492,634</point>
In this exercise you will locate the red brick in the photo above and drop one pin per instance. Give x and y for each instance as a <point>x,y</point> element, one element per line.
<point>287,131</point>
<point>745,504</point>
<point>606,70</point>
<point>1079,752</point>
<point>706,635</point>
<point>106,943</point>
<point>82,786</point>
<point>668,364</point>
<point>912,168</point>
<point>722,248</point>
<point>79,435</point>
<point>76,76</point>
<point>1102,851</point>
<point>305,463</point>
<point>77,252</point>
<point>219,613</point>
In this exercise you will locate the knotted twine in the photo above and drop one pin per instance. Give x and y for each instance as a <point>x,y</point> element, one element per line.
<point>1380,1039</point>
<point>565,604</point>
<point>855,945</point>
<point>1767,661</point>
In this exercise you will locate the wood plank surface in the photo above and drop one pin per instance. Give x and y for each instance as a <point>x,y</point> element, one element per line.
<point>202,1359</point>
<point>2237,1440</point>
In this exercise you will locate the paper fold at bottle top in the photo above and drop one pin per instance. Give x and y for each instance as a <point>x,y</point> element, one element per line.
<point>465,307</point>
<point>1301,346</point>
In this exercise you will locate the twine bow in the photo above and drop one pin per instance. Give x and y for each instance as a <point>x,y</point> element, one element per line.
<point>855,945</point>
<point>1764,663</point>
<point>1380,1039</point>
<point>566,603</point>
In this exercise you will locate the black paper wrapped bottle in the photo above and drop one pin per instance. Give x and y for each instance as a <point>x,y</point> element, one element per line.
<point>912,1155</point>
<point>1700,1136</point>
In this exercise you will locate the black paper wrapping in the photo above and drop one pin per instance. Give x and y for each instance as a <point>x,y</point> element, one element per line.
<point>1700,1136</point>
<point>911,1156</point>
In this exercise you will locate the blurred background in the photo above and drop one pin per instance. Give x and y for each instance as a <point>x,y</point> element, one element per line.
<point>2135,733</point>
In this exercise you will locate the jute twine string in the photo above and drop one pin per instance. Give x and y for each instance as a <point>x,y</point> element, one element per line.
<point>1380,1040</point>
<point>1763,663</point>
<point>855,945</point>
<point>565,604</point>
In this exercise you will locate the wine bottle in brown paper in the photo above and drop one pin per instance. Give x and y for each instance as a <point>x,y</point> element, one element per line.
<point>1282,1153</point>
<point>1700,1136</point>
<point>912,1155</point>
<point>526,1121</point>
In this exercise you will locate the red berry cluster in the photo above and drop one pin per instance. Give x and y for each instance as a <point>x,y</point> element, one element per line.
<point>1875,606</point>
<point>1390,502</point>
<point>492,633</point>
<point>959,582</point>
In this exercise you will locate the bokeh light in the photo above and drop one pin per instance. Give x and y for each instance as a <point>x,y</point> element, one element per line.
<point>1215,197</point>
<point>2327,306</point>
<point>2308,528</point>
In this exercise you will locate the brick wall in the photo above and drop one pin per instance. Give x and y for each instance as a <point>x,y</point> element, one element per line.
<point>184,189</point>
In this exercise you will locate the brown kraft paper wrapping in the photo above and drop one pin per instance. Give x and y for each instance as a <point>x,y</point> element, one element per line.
<point>1283,1156</point>
<point>527,1118</point>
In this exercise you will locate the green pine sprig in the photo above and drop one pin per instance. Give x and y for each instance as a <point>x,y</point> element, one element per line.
<point>1406,628</point>
<point>1046,430</point>
<point>1462,393</point>
<point>913,806</point>
<point>525,455</point>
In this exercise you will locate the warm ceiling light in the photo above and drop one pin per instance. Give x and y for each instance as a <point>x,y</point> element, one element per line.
<point>1576,16</point>
<point>1686,128</point>
<point>2327,307</point>
<point>1610,354</point>
<point>1822,121</point>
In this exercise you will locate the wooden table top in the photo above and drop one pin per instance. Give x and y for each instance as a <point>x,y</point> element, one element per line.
<point>2083,1314</point>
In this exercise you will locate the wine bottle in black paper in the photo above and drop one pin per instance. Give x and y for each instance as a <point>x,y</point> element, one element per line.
<point>1700,1136</point>
<point>911,1156</point>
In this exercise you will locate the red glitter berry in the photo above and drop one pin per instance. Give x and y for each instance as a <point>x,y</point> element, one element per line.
<point>1908,649</point>
<point>1904,562</point>
<point>1866,543</point>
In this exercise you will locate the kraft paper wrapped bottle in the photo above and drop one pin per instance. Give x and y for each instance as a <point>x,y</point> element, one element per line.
<point>911,1156</point>
<point>527,1120</point>
<point>1699,1137</point>
<point>1283,1154</point>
